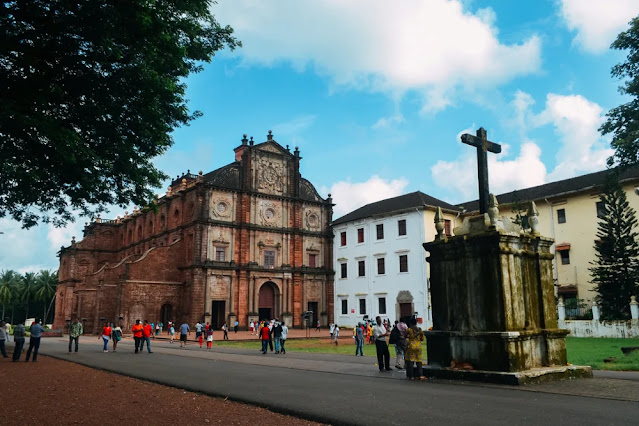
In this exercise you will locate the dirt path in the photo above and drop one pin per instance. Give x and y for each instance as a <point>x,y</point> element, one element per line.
<point>51,391</point>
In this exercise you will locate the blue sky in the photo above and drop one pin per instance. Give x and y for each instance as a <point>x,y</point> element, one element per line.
<point>376,94</point>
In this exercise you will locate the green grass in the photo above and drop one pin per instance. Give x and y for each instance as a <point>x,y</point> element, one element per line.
<point>592,351</point>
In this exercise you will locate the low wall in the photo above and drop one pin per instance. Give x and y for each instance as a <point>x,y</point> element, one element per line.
<point>597,328</point>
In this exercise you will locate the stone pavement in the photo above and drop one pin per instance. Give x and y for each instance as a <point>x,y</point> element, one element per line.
<point>341,389</point>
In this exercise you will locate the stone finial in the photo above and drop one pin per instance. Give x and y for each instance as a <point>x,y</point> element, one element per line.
<point>98,219</point>
<point>439,224</point>
<point>269,136</point>
<point>297,151</point>
<point>72,240</point>
<point>288,149</point>
<point>533,218</point>
<point>126,213</point>
<point>330,199</point>
<point>183,185</point>
<point>251,142</point>
<point>244,139</point>
<point>168,191</point>
<point>493,210</point>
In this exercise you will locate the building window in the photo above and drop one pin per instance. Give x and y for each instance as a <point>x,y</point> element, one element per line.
<point>312,258</point>
<point>401,227</point>
<point>343,238</point>
<point>344,270</point>
<point>601,209</point>
<point>381,266</point>
<point>403,263</point>
<point>269,259</point>
<point>380,231</point>
<point>382,306</point>
<point>561,216</point>
<point>565,257</point>
<point>344,307</point>
<point>360,235</point>
<point>447,229</point>
<point>361,268</point>
<point>362,306</point>
<point>220,254</point>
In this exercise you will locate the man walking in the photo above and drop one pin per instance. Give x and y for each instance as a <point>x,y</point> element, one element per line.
<point>383,356</point>
<point>198,331</point>
<point>283,337</point>
<point>34,341</point>
<point>147,332</point>
<point>3,337</point>
<point>319,326</point>
<point>138,331</point>
<point>18,337</point>
<point>236,326</point>
<point>265,334</point>
<point>332,329</point>
<point>277,336</point>
<point>75,330</point>
<point>185,331</point>
<point>359,339</point>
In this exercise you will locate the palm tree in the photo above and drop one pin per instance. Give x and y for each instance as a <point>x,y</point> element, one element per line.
<point>7,288</point>
<point>29,287</point>
<point>47,283</point>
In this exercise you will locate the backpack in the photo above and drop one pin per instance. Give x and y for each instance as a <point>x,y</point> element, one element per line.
<point>393,336</point>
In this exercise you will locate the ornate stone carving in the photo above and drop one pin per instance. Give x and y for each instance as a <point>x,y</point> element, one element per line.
<point>270,175</point>
<point>221,207</point>
<point>404,296</point>
<point>312,220</point>
<point>270,148</point>
<point>308,192</point>
<point>268,213</point>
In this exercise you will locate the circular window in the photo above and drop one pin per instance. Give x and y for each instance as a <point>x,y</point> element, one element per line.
<point>313,220</point>
<point>221,207</point>
<point>269,213</point>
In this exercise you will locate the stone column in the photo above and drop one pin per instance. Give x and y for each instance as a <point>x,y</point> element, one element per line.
<point>634,308</point>
<point>595,312</point>
<point>561,310</point>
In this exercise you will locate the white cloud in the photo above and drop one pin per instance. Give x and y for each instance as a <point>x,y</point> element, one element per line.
<point>349,196</point>
<point>597,22</point>
<point>291,131</point>
<point>386,122</point>
<point>434,47</point>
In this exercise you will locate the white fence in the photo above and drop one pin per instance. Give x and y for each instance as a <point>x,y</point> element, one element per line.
<point>598,328</point>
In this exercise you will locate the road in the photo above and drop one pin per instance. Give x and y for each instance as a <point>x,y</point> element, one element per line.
<point>340,389</point>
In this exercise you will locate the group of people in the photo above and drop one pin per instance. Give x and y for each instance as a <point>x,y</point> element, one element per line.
<point>19,335</point>
<point>273,333</point>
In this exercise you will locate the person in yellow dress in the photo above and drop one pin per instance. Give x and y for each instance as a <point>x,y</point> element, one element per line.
<point>413,354</point>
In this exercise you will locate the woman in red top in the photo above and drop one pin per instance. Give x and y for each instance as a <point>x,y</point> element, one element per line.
<point>264,334</point>
<point>106,333</point>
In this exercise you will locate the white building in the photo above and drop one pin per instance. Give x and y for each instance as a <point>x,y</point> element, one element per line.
<point>379,260</point>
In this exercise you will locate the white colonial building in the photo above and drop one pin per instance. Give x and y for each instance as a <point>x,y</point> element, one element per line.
<point>380,264</point>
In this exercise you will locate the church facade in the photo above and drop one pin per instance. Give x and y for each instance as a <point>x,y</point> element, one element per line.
<point>250,240</point>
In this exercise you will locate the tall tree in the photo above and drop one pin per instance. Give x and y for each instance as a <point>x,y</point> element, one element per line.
<point>47,282</point>
<point>8,280</point>
<point>623,121</point>
<point>90,92</point>
<point>27,292</point>
<point>615,271</point>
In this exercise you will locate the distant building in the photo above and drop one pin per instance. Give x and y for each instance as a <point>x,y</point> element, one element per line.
<point>380,266</point>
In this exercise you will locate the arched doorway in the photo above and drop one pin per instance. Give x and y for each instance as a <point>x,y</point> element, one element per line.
<point>268,306</point>
<point>166,314</point>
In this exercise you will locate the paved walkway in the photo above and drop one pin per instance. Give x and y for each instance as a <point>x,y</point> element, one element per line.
<point>342,389</point>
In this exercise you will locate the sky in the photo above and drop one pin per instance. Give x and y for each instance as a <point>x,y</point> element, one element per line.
<point>376,95</point>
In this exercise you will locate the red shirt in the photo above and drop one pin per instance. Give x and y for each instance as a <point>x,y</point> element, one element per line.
<point>147,330</point>
<point>137,330</point>
<point>106,331</point>
<point>265,332</point>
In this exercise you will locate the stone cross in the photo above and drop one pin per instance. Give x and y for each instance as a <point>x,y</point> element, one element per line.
<point>483,145</point>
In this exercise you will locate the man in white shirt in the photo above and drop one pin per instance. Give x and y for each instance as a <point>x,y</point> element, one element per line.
<point>383,356</point>
<point>7,329</point>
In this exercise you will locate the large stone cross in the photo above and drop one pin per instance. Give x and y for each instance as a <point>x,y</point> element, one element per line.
<point>483,146</point>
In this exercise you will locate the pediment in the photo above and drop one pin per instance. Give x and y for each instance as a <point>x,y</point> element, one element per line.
<point>273,147</point>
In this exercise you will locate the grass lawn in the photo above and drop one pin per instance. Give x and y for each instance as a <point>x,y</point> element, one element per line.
<point>592,351</point>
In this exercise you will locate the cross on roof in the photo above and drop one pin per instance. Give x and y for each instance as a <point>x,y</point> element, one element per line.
<point>483,145</point>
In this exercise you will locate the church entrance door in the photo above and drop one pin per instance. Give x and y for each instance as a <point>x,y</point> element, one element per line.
<point>405,310</point>
<point>267,308</point>
<point>313,306</point>
<point>218,312</point>
<point>166,314</point>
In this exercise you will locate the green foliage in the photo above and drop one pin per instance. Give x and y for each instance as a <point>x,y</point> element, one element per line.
<point>91,91</point>
<point>17,290</point>
<point>623,121</point>
<point>520,210</point>
<point>615,271</point>
<point>9,282</point>
<point>592,351</point>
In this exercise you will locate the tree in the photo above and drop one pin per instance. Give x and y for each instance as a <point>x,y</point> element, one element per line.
<point>623,121</point>
<point>615,271</point>
<point>8,281</point>
<point>90,92</point>
<point>27,292</point>
<point>47,283</point>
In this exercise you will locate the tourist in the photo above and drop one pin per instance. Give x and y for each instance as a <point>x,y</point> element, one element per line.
<point>265,335</point>
<point>75,330</point>
<point>277,336</point>
<point>161,326</point>
<point>251,327</point>
<point>137,335</point>
<point>332,329</point>
<point>201,339</point>
<point>283,336</point>
<point>7,329</point>
<point>3,337</point>
<point>147,332</point>
<point>270,325</point>
<point>185,331</point>
<point>209,338</point>
<point>383,356</point>
<point>171,331</point>
<point>207,328</point>
<point>152,328</point>
<point>336,333</point>
<point>106,335</point>
<point>319,326</point>
<point>371,335</point>
<point>397,338</point>
<point>415,337</point>
<point>236,326</point>
<point>116,336</point>
<point>18,337</point>
<point>157,329</point>
<point>359,339</point>
<point>168,327</point>
<point>198,330</point>
<point>34,342</point>
<point>226,331</point>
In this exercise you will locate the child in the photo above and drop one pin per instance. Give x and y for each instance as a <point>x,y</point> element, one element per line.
<point>172,333</point>
<point>209,338</point>
<point>201,339</point>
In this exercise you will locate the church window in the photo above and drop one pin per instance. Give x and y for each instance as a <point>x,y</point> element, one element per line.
<point>344,307</point>
<point>403,263</point>
<point>447,227</point>
<point>565,257</point>
<point>344,270</point>
<point>269,259</point>
<point>343,238</point>
<point>382,306</point>
<point>162,222</point>
<point>139,232</point>
<point>130,236</point>
<point>312,260</point>
<point>361,268</point>
<point>601,209</point>
<point>381,266</point>
<point>401,227</point>
<point>380,231</point>
<point>150,227</point>
<point>561,216</point>
<point>220,254</point>
<point>362,306</point>
<point>360,235</point>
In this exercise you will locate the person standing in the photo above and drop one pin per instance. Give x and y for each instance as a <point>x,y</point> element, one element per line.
<point>152,328</point>
<point>397,338</point>
<point>147,332</point>
<point>359,339</point>
<point>171,331</point>
<point>226,331</point>
<point>18,337</point>
<point>185,331</point>
<point>319,326</point>
<point>75,330</point>
<point>7,329</point>
<point>283,337</point>
<point>106,335</point>
<point>265,334</point>
<point>236,326</point>
<point>116,336</point>
<point>383,356</point>
<point>251,327</point>
<point>3,337</point>
<point>138,331</point>
<point>277,336</point>
<point>34,342</point>
<point>198,331</point>
<point>209,338</point>
<point>415,337</point>
<point>332,329</point>
<point>336,333</point>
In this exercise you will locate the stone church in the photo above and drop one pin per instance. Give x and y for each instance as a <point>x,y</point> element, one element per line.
<point>250,240</point>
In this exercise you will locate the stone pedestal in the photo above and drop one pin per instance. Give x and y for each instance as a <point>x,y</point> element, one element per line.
<point>493,306</point>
